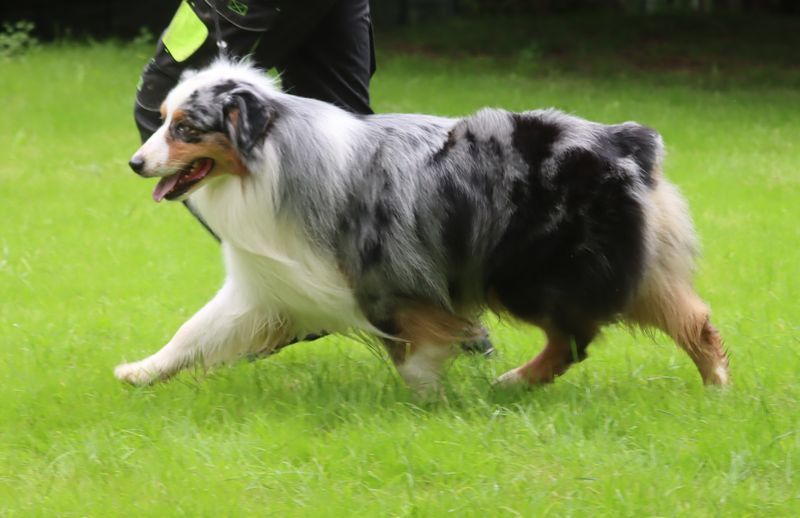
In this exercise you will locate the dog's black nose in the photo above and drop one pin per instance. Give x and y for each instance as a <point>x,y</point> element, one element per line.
<point>137,164</point>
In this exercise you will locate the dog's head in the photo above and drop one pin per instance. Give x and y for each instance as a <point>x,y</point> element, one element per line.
<point>214,123</point>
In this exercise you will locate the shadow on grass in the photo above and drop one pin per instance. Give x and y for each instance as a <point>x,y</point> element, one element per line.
<point>326,393</point>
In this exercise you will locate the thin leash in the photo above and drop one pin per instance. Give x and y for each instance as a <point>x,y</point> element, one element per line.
<point>222,45</point>
<point>222,49</point>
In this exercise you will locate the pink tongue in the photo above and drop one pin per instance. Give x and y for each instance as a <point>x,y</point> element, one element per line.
<point>165,185</point>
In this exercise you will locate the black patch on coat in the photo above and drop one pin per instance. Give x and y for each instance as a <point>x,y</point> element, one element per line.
<point>368,220</point>
<point>490,172</point>
<point>224,87</point>
<point>445,149</point>
<point>573,251</point>
<point>254,118</point>
<point>357,224</point>
<point>639,143</point>
<point>459,220</point>
<point>533,139</point>
<point>472,144</point>
<point>495,148</point>
<point>201,116</point>
<point>371,252</point>
<point>454,289</point>
<point>383,216</point>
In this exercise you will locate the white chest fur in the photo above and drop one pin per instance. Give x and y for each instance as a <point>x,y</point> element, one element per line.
<point>271,261</point>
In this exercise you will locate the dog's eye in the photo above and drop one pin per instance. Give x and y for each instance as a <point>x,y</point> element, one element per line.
<point>184,130</point>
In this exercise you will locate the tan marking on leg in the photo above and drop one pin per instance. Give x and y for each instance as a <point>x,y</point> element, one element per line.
<point>679,312</point>
<point>427,337</point>
<point>665,298</point>
<point>430,324</point>
<point>551,362</point>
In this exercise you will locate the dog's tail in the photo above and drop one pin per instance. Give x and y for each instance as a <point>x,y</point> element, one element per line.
<point>671,241</point>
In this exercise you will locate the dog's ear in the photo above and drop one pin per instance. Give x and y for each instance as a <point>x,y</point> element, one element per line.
<point>246,118</point>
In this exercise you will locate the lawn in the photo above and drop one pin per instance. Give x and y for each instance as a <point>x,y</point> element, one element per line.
<point>92,272</point>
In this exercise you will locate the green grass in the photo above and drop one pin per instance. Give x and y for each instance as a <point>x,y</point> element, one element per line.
<point>92,272</point>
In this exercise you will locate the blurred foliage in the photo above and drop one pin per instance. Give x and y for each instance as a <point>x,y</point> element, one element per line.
<point>17,38</point>
<point>641,6</point>
<point>715,50</point>
<point>410,12</point>
<point>144,37</point>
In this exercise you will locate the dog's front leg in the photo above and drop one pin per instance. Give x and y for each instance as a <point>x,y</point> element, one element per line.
<point>226,328</point>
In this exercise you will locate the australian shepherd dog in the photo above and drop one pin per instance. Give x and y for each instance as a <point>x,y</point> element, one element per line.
<point>408,227</point>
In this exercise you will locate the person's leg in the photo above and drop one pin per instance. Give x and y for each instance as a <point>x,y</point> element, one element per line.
<point>336,60</point>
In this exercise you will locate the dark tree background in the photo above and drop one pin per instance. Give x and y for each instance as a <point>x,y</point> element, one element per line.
<point>125,19</point>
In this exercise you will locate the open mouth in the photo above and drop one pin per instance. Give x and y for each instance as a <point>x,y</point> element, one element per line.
<point>178,184</point>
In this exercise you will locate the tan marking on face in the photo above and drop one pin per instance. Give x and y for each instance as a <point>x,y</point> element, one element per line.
<point>215,146</point>
<point>163,111</point>
<point>178,115</point>
<point>212,145</point>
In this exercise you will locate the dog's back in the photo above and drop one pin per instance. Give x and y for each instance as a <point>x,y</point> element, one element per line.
<point>540,212</point>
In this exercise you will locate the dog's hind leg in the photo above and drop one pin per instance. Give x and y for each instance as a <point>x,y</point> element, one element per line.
<point>560,352</point>
<point>226,328</point>
<point>665,298</point>
<point>679,312</point>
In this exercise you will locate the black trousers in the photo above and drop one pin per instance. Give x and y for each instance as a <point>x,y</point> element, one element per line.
<point>321,48</point>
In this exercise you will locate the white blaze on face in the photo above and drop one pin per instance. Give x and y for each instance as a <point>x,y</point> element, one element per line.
<point>155,153</point>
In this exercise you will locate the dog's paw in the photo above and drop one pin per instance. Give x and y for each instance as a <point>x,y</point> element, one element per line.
<point>719,377</point>
<point>428,394</point>
<point>136,373</point>
<point>510,379</point>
